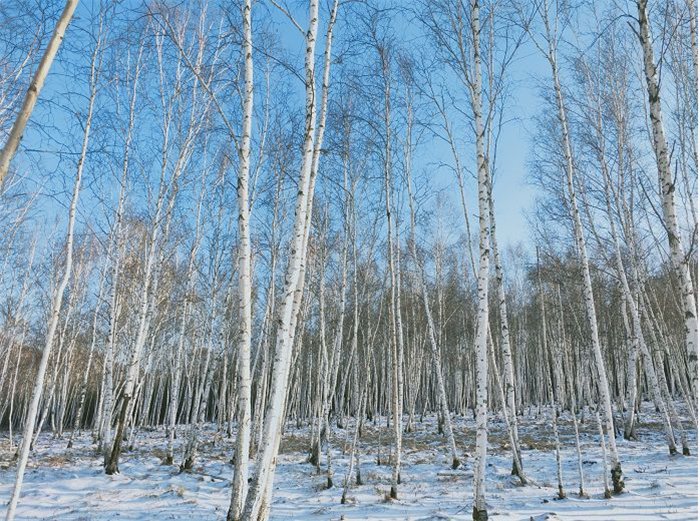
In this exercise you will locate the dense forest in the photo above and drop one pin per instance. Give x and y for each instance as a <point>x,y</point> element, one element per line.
<point>236,225</point>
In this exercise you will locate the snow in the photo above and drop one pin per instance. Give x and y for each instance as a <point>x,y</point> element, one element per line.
<point>69,483</point>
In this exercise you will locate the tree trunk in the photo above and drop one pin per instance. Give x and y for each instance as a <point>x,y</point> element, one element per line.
<point>30,98</point>
<point>668,188</point>
<point>59,292</point>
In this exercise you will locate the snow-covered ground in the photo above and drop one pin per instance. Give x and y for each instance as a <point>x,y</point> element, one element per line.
<point>69,483</point>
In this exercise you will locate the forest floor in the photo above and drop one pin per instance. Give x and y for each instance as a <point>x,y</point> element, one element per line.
<point>69,484</point>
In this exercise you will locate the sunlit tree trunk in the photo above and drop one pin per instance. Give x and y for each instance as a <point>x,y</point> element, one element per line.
<point>257,501</point>
<point>479,512</point>
<point>591,319</point>
<point>30,98</point>
<point>432,335</point>
<point>240,477</point>
<point>60,289</point>
<point>668,188</point>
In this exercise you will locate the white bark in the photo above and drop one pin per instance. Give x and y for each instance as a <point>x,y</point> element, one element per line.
<point>432,336</point>
<point>479,512</point>
<point>508,371</point>
<point>693,11</point>
<point>242,455</point>
<point>8,151</point>
<point>629,302</point>
<point>59,291</point>
<point>394,309</point>
<point>108,371</point>
<point>257,502</point>
<point>668,188</point>
<point>551,54</point>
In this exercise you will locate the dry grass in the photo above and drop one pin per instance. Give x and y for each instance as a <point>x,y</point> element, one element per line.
<point>538,443</point>
<point>159,453</point>
<point>294,443</point>
<point>57,460</point>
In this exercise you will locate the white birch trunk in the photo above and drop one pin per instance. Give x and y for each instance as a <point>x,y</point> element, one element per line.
<point>395,326</point>
<point>668,188</point>
<point>242,455</point>
<point>256,503</point>
<point>508,371</point>
<point>59,292</point>
<point>479,512</point>
<point>434,350</point>
<point>30,98</point>
<point>616,469</point>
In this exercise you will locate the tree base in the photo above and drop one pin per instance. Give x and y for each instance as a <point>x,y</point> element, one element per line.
<point>187,465</point>
<point>315,455</point>
<point>480,515</point>
<point>618,482</point>
<point>393,493</point>
<point>686,451</point>
<point>631,435</point>
<point>455,463</point>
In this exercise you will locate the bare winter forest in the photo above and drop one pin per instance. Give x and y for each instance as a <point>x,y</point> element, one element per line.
<point>348,259</point>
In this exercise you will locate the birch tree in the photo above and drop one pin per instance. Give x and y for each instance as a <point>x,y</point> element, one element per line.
<point>667,187</point>
<point>549,50</point>
<point>58,292</point>
<point>257,500</point>
<point>479,512</point>
<point>432,335</point>
<point>37,83</point>
<point>240,479</point>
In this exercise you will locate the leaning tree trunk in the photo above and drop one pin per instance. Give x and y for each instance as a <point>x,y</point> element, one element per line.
<point>629,303</point>
<point>616,468</point>
<point>508,371</point>
<point>30,98</point>
<point>256,503</point>
<point>168,189</point>
<point>432,336</point>
<point>105,429</point>
<point>668,188</point>
<point>60,290</point>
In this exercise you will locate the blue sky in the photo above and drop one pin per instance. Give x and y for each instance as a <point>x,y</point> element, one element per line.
<point>513,195</point>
